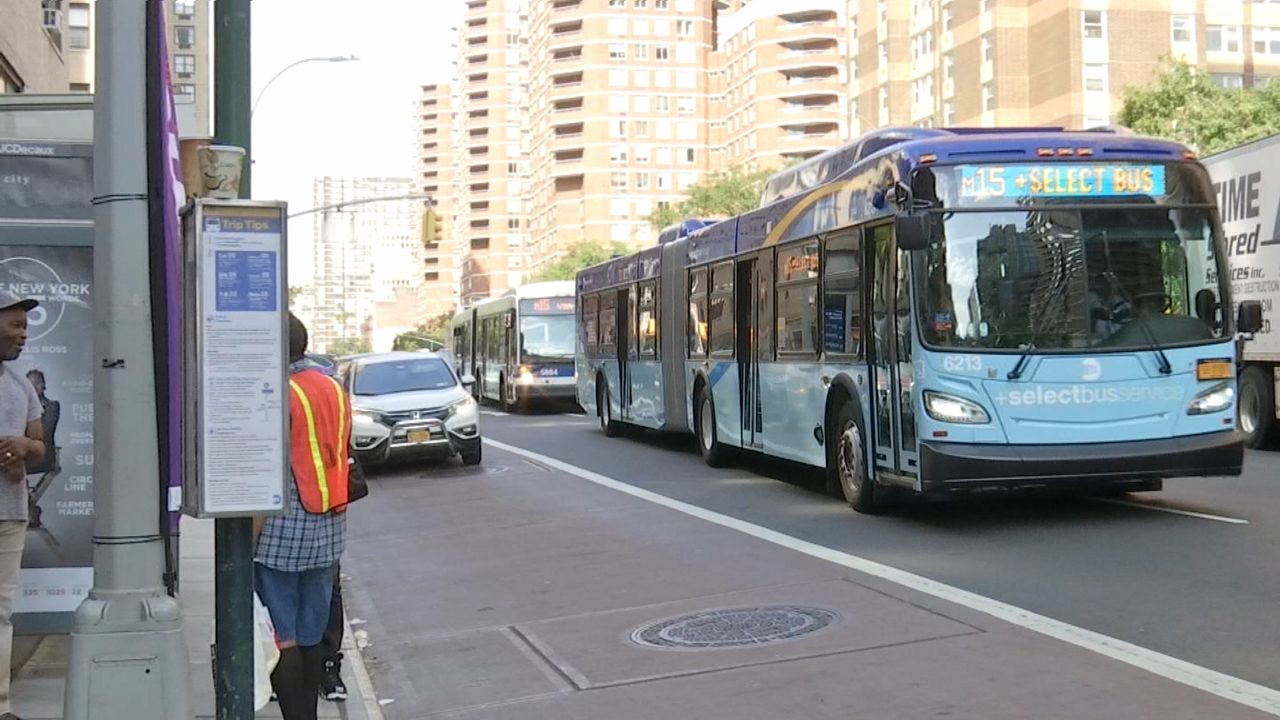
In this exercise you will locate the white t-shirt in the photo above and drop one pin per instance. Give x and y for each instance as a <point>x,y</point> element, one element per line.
<point>19,405</point>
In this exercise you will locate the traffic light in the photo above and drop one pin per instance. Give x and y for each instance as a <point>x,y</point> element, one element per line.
<point>431,227</point>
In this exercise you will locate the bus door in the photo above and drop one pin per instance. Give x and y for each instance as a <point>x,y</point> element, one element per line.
<point>626,317</point>
<point>892,376</point>
<point>753,285</point>
<point>511,347</point>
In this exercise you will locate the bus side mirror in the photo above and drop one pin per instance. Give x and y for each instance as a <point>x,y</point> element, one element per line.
<point>1249,317</point>
<point>912,230</point>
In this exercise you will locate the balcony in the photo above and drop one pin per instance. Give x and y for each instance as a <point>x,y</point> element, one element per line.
<point>567,55</point>
<point>568,105</point>
<point>570,131</point>
<point>565,5</point>
<point>478,59</point>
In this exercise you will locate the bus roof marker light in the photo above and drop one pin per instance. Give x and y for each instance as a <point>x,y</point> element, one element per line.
<point>928,158</point>
<point>1064,152</point>
<point>1044,152</point>
<point>1188,155</point>
<point>1084,152</point>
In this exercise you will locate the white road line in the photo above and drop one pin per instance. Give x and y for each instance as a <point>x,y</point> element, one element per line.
<point>1188,513</point>
<point>1241,691</point>
<point>494,413</point>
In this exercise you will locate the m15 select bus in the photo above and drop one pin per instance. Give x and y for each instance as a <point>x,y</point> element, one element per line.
<point>519,346</point>
<point>924,311</point>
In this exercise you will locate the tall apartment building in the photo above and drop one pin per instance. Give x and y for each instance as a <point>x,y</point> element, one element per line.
<point>33,46</point>
<point>364,255</point>
<point>1067,63</point>
<point>781,75</point>
<point>190,69</point>
<point>442,264</point>
<point>489,141</point>
<point>619,96</point>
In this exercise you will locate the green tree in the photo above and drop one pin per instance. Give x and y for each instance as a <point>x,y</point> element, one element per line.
<point>350,346</point>
<point>579,255</point>
<point>722,195</point>
<point>430,335</point>
<point>1182,103</point>
<point>294,292</point>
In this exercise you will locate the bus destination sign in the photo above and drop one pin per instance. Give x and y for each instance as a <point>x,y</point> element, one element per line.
<point>1065,180</point>
<point>547,306</point>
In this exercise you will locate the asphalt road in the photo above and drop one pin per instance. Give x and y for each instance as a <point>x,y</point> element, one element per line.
<point>1199,587</point>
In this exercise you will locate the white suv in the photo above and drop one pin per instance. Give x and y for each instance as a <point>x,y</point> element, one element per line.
<point>407,404</point>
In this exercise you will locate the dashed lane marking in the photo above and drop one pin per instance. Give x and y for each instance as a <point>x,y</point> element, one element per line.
<point>1226,686</point>
<point>1175,511</point>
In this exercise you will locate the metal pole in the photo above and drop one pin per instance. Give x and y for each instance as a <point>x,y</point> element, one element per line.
<point>233,537</point>
<point>127,658</point>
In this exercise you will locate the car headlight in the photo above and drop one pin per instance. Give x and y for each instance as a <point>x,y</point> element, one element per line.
<point>951,409</point>
<point>457,407</point>
<point>1214,400</point>
<point>524,376</point>
<point>364,414</point>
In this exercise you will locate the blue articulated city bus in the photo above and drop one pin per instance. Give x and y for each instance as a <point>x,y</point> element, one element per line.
<point>927,310</point>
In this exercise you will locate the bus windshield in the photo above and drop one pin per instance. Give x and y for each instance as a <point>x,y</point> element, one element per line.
<point>546,338</point>
<point>1114,278</point>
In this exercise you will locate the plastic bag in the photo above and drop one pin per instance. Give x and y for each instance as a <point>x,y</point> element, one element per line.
<point>266,654</point>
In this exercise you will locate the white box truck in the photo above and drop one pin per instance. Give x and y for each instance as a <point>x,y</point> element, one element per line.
<point>1246,181</point>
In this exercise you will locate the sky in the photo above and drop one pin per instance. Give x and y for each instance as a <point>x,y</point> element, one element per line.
<point>343,119</point>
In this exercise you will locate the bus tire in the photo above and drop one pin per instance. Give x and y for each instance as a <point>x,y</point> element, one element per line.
<point>714,453</point>
<point>848,461</point>
<point>1256,407</point>
<point>608,425</point>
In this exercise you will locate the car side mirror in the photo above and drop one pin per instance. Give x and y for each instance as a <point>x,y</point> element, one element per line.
<point>913,230</point>
<point>467,380</point>
<point>1249,317</point>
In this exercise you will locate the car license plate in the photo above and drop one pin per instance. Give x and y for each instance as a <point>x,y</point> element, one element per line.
<point>417,436</point>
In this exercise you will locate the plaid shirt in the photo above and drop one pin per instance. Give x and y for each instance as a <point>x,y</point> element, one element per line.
<point>301,540</point>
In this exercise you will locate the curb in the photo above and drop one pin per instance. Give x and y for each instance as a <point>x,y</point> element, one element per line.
<point>372,708</point>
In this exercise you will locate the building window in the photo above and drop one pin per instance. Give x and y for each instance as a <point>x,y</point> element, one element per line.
<point>949,112</point>
<point>617,3</point>
<point>642,181</point>
<point>185,36</point>
<point>1094,24</point>
<point>1095,78</point>
<point>662,53</point>
<point>617,51</point>
<point>988,96</point>
<point>618,181</point>
<point>184,65</point>
<point>1231,81</point>
<point>1266,40</point>
<point>988,51</point>
<point>184,8</point>
<point>78,37</point>
<point>684,28</point>
<point>948,17</point>
<point>184,93</point>
<point>1222,38</point>
<point>640,51</point>
<point>618,154</point>
<point>1182,29</point>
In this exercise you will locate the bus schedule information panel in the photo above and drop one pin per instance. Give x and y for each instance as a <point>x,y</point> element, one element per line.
<point>237,365</point>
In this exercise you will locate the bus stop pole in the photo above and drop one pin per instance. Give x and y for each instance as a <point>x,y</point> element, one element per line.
<point>233,537</point>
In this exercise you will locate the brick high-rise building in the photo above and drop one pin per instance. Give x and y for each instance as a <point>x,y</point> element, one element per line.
<point>33,43</point>
<point>442,264</point>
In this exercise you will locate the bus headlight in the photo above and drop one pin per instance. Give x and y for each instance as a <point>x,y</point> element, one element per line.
<point>951,409</point>
<point>1214,400</point>
<point>524,376</point>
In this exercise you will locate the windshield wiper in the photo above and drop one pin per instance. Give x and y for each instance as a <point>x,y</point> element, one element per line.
<point>1162,360</point>
<point>1023,361</point>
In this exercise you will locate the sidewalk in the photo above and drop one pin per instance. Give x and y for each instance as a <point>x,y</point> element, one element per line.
<point>516,591</point>
<point>38,684</point>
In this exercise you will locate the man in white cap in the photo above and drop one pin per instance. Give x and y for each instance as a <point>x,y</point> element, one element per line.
<point>21,441</point>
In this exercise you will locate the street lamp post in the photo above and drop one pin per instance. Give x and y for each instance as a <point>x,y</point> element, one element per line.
<point>296,63</point>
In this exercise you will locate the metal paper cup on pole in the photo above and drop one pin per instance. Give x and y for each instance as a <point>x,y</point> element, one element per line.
<point>220,169</point>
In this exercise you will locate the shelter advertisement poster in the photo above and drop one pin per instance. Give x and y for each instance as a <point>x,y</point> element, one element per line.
<point>57,566</point>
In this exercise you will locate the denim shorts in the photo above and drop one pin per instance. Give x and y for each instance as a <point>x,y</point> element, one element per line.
<point>298,601</point>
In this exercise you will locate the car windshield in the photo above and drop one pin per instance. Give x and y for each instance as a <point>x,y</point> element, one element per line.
<point>546,337</point>
<point>398,376</point>
<point>1102,277</point>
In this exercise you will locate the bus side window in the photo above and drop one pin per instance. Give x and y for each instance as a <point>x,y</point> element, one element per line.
<point>608,321</point>
<point>721,315</point>
<point>797,294</point>
<point>648,321</point>
<point>842,293</point>
<point>698,313</point>
<point>590,323</point>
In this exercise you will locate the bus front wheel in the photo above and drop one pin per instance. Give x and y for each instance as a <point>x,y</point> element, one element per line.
<point>607,423</point>
<point>713,452</point>
<point>1256,407</point>
<point>848,461</point>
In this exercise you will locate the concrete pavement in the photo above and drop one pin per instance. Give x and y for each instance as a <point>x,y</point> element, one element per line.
<point>38,683</point>
<point>515,590</point>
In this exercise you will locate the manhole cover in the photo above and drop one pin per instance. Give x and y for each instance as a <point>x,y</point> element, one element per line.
<point>733,627</point>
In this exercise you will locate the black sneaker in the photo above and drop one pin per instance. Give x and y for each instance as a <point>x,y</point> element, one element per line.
<point>332,687</point>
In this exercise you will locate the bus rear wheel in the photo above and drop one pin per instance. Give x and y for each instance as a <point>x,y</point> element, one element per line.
<point>1257,407</point>
<point>848,461</point>
<point>713,452</point>
<point>607,423</point>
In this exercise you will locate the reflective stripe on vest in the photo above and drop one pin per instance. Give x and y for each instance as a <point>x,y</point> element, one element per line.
<point>326,490</point>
